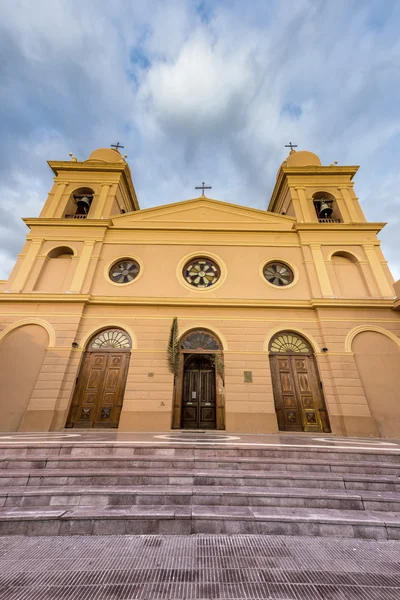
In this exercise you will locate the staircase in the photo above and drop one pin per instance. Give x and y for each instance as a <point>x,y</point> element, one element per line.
<point>120,488</point>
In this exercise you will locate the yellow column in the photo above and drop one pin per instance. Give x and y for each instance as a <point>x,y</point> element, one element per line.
<point>82,267</point>
<point>385,288</point>
<point>322,272</point>
<point>26,266</point>
<point>344,211</point>
<point>304,204</point>
<point>354,216</point>
<point>53,209</point>
<point>99,206</point>
<point>297,207</point>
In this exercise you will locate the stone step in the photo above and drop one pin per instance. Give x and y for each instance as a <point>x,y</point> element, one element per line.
<point>118,477</point>
<point>155,519</point>
<point>199,495</point>
<point>202,451</point>
<point>239,464</point>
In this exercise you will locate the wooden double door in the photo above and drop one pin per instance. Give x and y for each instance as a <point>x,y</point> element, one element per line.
<point>199,393</point>
<point>100,388</point>
<point>299,402</point>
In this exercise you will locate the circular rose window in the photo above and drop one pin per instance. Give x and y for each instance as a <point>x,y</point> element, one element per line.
<point>201,272</point>
<point>278,274</point>
<point>124,271</point>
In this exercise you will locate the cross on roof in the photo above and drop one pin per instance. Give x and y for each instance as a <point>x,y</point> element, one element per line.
<point>203,187</point>
<point>291,146</point>
<point>117,146</point>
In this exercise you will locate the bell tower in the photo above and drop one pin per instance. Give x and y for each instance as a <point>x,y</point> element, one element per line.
<point>97,188</point>
<point>65,240</point>
<point>313,193</point>
<point>332,230</point>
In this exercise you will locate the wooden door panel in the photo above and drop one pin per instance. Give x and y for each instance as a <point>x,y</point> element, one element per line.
<point>99,393</point>
<point>207,400</point>
<point>198,396</point>
<point>308,400</point>
<point>286,401</point>
<point>190,417</point>
<point>112,393</point>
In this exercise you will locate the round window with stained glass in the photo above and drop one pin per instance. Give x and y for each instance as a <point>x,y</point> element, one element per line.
<point>124,271</point>
<point>201,272</point>
<point>278,274</point>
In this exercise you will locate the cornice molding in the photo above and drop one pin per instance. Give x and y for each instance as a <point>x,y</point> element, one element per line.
<point>376,227</point>
<point>55,221</point>
<point>198,302</point>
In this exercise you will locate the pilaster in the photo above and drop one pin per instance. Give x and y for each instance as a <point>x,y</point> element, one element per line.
<point>100,204</point>
<point>26,266</point>
<point>83,264</point>
<point>385,289</point>
<point>322,272</point>
<point>56,208</point>
<point>350,203</point>
<point>304,204</point>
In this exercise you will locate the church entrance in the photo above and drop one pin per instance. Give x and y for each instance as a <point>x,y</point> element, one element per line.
<point>100,387</point>
<point>198,398</point>
<point>299,402</point>
<point>199,401</point>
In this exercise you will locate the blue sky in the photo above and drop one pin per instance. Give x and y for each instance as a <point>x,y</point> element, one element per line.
<point>197,91</point>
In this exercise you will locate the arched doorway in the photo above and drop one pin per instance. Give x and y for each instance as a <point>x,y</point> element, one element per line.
<point>199,393</point>
<point>299,402</point>
<point>99,392</point>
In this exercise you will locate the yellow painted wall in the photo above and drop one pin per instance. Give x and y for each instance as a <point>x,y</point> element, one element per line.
<point>341,284</point>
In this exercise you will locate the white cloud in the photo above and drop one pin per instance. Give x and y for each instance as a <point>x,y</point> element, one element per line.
<point>207,91</point>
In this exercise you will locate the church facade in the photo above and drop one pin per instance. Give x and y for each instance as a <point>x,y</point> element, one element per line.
<point>201,314</point>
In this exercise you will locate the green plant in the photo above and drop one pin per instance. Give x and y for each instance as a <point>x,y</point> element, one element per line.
<point>218,363</point>
<point>173,348</point>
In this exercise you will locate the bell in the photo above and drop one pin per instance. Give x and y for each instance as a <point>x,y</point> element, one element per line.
<point>325,210</point>
<point>84,203</point>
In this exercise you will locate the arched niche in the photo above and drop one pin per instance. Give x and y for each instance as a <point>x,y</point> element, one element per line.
<point>349,281</point>
<point>330,200</point>
<point>299,401</point>
<point>22,352</point>
<point>377,357</point>
<point>99,394</point>
<point>61,252</point>
<point>77,207</point>
<point>57,271</point>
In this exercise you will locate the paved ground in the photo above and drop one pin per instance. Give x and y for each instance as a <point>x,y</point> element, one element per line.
<point>214,438</point>
<point>198,567</point>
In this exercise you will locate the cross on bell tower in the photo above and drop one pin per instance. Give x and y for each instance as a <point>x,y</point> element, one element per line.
<point>291,146</point>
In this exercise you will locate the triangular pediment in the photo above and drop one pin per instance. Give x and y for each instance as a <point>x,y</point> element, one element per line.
<point>204,213</point>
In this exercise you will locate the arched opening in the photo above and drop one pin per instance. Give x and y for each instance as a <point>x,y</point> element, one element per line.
<point>79,203</point>
<point>57,271</point>
<point>100,386</point>
<point>22,352</point>
<point>377,358</point>
<point>326,208</point>
<point>299,402</point>
<point>199,391</point>
<point>61,252</point>
<point>350,282</point>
